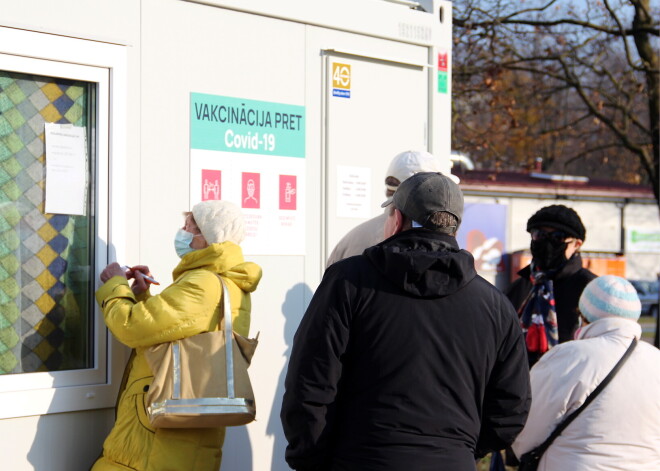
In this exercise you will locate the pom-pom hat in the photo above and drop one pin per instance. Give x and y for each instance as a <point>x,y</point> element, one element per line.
<point>558,217</point>
<point>219,221</point>
<point>609,296</point>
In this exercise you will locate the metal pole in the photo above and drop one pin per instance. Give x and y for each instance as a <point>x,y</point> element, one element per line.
<point>656,340</point>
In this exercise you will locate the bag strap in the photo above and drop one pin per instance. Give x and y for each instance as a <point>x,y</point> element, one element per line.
<point>229,351</point>
<point>524,302</point>
<point>539,450</point>
<point>229,338</point>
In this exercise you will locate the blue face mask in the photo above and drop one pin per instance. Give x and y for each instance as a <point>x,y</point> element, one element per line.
<point>182,241</point>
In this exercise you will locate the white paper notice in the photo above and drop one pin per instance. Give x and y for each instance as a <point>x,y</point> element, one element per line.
<point>66,169</point>
<point>353,192</point>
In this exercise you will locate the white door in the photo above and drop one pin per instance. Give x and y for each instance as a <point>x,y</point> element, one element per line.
<point>375,108</point>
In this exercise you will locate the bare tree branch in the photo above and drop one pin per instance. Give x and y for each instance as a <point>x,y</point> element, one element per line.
<point>576,83</point>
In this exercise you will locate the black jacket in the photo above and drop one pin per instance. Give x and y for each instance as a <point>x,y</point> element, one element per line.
<point>407,360</point>
<point>568,284</point>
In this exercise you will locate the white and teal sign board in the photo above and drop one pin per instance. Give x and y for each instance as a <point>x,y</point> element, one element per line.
<point>642,240</point>
<point>252,153</point>
<point>229,124</point>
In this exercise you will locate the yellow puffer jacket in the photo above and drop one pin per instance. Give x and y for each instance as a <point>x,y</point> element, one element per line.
<point>189,306</point>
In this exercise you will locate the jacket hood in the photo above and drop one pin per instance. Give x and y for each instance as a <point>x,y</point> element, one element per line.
<point>423,263</point>
<point>226,259</point>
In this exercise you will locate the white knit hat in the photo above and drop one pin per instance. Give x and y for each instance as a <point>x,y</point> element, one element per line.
<point>219,221</point>
<point>408,163</point>
<point>609,296</point>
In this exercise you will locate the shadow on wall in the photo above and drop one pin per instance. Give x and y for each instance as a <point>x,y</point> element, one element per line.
<point>237,438</point>
<point>85,433</point>
<point>293,308</point>
<point>295,302</point>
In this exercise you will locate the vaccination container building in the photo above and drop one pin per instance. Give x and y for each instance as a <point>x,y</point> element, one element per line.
<point>116,116</point>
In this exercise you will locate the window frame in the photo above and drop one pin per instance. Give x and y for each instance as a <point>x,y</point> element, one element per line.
<point>28,52</point>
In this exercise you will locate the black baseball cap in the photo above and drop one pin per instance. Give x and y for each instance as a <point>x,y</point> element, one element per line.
<point>426,193</point>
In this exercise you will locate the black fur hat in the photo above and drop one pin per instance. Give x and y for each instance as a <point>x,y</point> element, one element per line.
<point>558,217</point>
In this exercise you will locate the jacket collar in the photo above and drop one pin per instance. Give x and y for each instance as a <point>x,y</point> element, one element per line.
<point>610,326</point>
<point>216,257</point>
<point>225,259</point>
<point>421,237</point>
<point>572,266</point>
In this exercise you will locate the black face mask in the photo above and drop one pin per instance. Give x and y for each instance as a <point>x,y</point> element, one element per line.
<point>548,254</point>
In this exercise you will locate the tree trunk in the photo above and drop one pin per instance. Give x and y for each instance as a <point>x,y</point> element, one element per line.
<point>643,23</point>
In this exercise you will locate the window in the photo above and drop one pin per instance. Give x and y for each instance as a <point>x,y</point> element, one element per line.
<point>46,260</point>
<point>52,337</point>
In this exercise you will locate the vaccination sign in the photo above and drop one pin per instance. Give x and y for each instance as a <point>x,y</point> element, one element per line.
<point>252,153</point>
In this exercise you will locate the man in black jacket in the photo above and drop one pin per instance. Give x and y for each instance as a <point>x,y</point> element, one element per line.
<point>555,272</point>
<point>406,359</point>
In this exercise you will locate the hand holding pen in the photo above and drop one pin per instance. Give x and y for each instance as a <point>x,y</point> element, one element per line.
<point>142,270</point>
<point>141,277</point>
<point>140,274</point>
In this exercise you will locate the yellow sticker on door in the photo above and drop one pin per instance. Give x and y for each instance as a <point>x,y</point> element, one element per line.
<point>341,80</point>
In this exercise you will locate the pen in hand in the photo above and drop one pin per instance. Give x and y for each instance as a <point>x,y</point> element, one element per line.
<point>146,277</point>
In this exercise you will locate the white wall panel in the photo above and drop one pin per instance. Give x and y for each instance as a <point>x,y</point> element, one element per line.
<point>114,21</point>
<point>56,442</point>
<point>220,52</point>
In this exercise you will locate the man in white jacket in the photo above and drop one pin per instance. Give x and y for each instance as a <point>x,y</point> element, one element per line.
<point>620,429</point>
<point>403,166</point>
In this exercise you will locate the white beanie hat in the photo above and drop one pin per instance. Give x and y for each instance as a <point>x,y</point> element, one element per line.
<point>609,296</point>
<point>408,163</point>
<point>219,221</point>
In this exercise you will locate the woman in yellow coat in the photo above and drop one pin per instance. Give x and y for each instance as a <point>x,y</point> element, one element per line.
<point>208,246</point>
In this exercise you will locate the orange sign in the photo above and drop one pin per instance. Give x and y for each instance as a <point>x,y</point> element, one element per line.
<point>341,76</point>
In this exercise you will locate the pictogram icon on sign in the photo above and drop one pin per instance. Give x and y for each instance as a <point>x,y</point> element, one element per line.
<point>251,190</point>
<point>288,191</point>
<point>341,76</point>
<point>211,184</point>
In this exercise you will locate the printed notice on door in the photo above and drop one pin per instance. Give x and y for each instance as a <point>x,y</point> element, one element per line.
<point>252,153</point>
<point>353,192</point>
<point>66,169</point>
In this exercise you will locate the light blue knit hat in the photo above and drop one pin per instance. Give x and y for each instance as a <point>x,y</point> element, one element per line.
<point>609,296</point>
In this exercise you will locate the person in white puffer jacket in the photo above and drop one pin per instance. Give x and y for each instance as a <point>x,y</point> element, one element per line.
<point>620,429</point>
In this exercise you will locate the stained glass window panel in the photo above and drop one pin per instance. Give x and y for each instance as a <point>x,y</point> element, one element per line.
<point>46,260</point>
